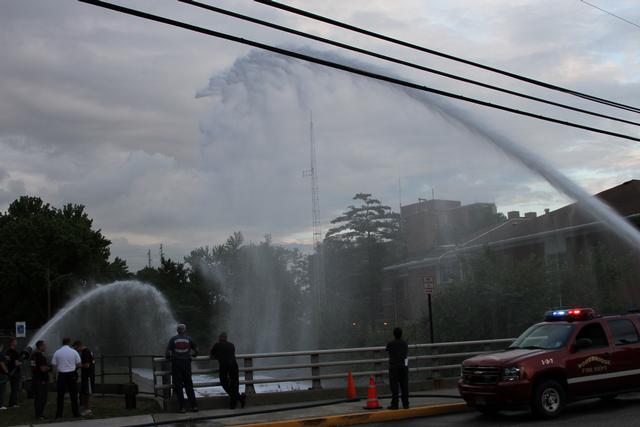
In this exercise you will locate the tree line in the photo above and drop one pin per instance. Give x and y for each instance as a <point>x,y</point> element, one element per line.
<point>262,292</point>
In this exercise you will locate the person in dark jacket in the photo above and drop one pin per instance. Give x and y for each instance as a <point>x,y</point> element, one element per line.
<point>398,369</point>
<point>4,377</point>
<point>40,378</point>
<point>179,351</point>
<point>225,353</point>
<point>87,376</point>
<point>15,372</point>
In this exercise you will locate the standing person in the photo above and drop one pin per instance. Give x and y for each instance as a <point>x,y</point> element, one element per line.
<point>179,351</point>
<point>87,377</point>
<point>398,369</point>
<point>40,378</point>
<point>4,377</point>
<point>225,353</point>
<point>66,361</point>
<point>14,364</point>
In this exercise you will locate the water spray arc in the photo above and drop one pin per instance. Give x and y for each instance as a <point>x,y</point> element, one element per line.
<point>351,69</point>
<point>589,204</point>
<point>423,95</point>
<point>530,160</point>
<point>124,316</point>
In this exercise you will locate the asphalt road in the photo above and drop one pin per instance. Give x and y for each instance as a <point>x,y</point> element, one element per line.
<point>624,411</point>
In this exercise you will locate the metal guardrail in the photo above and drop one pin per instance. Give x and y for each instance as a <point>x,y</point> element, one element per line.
<point>106,362</point>
<point>430,353</point>
<point>110,366</point>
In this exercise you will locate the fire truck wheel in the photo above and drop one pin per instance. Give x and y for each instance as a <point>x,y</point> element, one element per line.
<point>549,399</point>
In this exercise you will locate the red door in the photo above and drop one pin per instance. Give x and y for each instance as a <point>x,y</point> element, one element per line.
<point>626,353</point>
<point>590,362</point>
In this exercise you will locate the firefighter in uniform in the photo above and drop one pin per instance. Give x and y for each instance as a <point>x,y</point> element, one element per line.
<point>225,353</point>
<point>398,369</point>
<point>179,351</point>
<point>40,378</point>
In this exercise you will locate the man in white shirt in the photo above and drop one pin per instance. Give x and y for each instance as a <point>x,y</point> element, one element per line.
<point>66,361</point>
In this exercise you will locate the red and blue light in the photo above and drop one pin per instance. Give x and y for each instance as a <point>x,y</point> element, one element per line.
<point>569,314</point>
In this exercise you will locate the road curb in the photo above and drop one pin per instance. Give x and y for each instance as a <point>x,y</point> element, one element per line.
<point>365,417</point>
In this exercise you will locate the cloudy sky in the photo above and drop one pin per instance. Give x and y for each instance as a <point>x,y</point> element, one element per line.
<point>177,138</point>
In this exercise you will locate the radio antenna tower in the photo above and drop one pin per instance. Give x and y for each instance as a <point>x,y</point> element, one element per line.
<point>318,279</point>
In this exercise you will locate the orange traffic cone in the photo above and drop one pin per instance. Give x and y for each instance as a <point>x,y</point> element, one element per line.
<point>352,394</point>
<point>372,396</point>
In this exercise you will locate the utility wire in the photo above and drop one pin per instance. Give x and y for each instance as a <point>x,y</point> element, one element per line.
<point>393,40</point>
<point>347,68</point>
<point>609,13</point>
<point>397,60</point>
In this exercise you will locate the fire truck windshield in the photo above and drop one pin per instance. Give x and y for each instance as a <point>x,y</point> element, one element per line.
<point>546,336</point>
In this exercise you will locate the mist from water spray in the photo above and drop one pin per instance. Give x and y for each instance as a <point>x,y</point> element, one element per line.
<point>246,71</point>
<point>125,317</point>
<point>258,85</point>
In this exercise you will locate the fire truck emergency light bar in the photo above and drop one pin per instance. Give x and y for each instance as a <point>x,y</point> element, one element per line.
<point>569,314</point>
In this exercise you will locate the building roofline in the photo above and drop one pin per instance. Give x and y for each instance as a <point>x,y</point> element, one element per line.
<point>504,242</point>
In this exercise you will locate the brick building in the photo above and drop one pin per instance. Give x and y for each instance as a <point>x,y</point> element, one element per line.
<point>440,234</point>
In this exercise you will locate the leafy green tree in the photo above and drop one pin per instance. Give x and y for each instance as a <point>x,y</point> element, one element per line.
<point>255,292</point>
<point>509,294</point>
<point>206,281</point>
<point>260,289</point>
<point>42,246</point>
<point>191,301</point>
<point>118,270</point>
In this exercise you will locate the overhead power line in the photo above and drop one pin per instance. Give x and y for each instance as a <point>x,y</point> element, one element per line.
<point>413,46</point>
<point>343,67</point>
<point>610,13</point>
<point>345,46</point>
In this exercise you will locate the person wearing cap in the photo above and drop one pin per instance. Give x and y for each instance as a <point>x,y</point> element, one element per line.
<point>179,351</point>
<point>398,350</point>
<point>66,361</point>
<point>225,353</point>
<point>40,378</point>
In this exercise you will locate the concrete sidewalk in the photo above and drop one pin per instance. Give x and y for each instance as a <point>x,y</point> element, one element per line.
<point>318,413</point>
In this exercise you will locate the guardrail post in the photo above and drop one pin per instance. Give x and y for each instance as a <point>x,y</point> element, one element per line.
<point>316,382</point>
<point>102,369</point>
<point>378,366</point>
<point>248,376</point>
<point>166,380</point>
<point>436,376</point>
<point>155,379</point>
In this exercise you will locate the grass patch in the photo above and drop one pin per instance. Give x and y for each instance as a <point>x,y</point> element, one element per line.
<point>103,407</point>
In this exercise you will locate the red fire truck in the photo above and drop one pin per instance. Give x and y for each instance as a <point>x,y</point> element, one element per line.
<point>574,354</point>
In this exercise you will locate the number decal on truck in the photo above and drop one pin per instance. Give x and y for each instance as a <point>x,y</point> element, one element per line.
<point>546,362</point>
